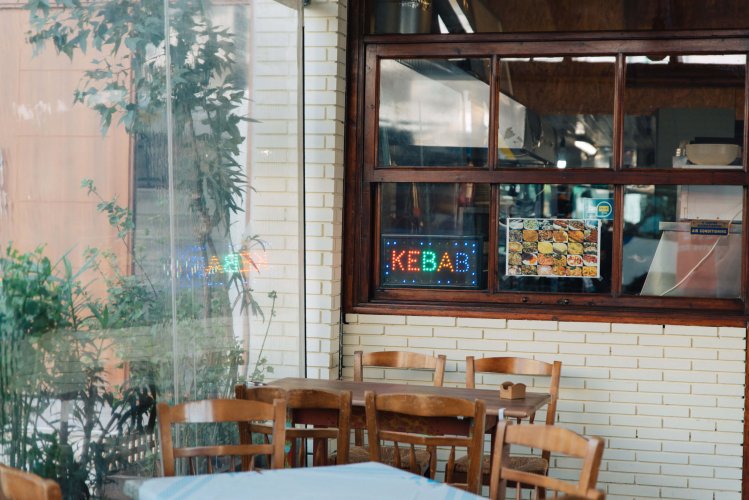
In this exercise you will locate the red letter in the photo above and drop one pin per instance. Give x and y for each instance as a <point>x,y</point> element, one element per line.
<point>396,262</point>
<point>413,258</point>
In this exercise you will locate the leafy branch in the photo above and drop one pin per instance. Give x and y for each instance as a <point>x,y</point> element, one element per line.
<point>261,364</point>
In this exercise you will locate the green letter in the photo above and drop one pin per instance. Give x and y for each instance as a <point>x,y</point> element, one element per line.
<point>428,261</point>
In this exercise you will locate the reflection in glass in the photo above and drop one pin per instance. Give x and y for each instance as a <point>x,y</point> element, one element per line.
<point>673,103</point>
<point>437,215</point>
<point>555,238</point>
<point>682,241</point>
<point>517,16</point>
<point>434,112</point>
<point>556,112</point>
<point>169,206</point>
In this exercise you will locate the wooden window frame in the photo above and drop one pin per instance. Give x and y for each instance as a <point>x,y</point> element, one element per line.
<point>363,176</point>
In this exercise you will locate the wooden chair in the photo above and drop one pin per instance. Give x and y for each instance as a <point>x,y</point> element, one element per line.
<point>549,439</point>
<point>393,359</point>
<point>338,402</point>
<point>380,409</point>
<point>590,495</point>
<point>400,359</point>
<point>515,366</point>
<point>222,410</point>
<point>16,484</point>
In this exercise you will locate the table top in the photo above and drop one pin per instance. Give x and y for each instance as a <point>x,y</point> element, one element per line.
<point>365,481</point>
<point>512,408</point>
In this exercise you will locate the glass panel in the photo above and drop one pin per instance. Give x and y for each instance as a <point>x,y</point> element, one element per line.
<point>684,111</point>
<point>123,285</point>
<point>555,238</point>
<point>434,112</point>
<point>556,112</point>
<point>682,241</point>
<point>434,235</point>
<point>518,16</point>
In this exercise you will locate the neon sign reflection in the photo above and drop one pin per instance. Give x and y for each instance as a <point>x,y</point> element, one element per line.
<point>192,266</point>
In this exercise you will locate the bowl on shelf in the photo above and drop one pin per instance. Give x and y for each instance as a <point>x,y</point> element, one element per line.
<point>712,154</point>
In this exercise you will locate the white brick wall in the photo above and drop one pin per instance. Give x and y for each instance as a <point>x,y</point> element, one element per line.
<point>325,85</point>
<point>669,408</point>
<point>273,172</point>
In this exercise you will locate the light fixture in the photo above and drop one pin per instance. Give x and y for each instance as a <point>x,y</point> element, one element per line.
<point>582,143</point>
<point>562,155</point>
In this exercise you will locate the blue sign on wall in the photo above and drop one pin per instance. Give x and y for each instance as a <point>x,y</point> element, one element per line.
<point>430,261</point>
<point>600,208</point>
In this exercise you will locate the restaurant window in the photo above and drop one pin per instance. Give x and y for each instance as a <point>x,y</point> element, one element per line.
<point>594,172</point>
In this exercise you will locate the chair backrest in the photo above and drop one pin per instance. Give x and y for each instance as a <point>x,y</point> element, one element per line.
<point>16,484</point>
<point>222,410</point>
<point>548,438</point>
<point>339,404</point>
<point>422,407</point>
<point>519,366</point>
<point>400,359</point>
<point>590,495</point>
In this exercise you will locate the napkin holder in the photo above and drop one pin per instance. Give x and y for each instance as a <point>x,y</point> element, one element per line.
<point>508,390</point>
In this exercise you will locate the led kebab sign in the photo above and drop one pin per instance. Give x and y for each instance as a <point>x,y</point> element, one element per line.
<point>430,261</point>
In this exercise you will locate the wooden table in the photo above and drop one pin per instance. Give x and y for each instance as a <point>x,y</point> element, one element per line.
<point>366,481</point>
<point>510,408</point>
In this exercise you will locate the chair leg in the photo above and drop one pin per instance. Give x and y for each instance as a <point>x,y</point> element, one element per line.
<point>432,461</point>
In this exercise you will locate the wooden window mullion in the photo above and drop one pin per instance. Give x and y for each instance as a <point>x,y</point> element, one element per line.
<point>493,264</point>
<point>745,213</point>
<point>492,157</point>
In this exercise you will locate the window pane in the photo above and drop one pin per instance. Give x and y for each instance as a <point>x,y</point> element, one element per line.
<point>434,235</point>
<point>555,238</point>
<point>674,101</point>
<point>556,112</point>
<point>434,112</point>
<point>682,241</point>
<point>517,16</point>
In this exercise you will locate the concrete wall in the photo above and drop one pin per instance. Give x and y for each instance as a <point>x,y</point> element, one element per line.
<point>48,146</point>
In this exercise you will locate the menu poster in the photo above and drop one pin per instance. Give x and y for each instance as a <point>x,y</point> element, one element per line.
<point>553,248</point>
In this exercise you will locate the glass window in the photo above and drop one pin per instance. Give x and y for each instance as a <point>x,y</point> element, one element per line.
<point>555,237</point>
<point>682,241</point>
<point>574,122</point>
<point>434,235</point>
<point>434,112</point>
<point>522,16</point>
<point>149,226</point>
<point>684,111</point>
<point>556,112</point>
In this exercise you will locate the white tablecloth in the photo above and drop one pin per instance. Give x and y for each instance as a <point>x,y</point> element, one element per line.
<point>357,481</point>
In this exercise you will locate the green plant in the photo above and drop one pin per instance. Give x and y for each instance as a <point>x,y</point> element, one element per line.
<point>29,306</point>
<point>261,364</point>
<point>53,342</point>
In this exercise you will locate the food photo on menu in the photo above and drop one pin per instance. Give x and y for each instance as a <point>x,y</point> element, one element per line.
<point>553,248</point>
